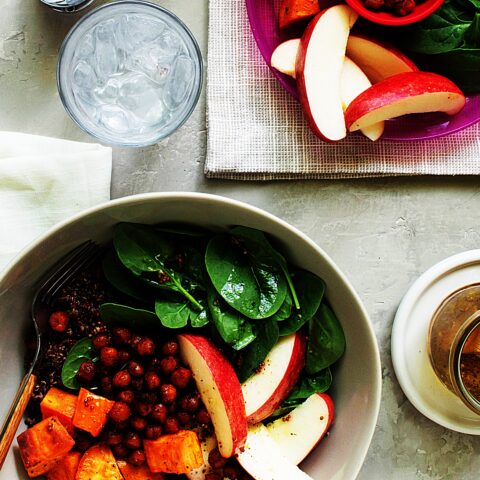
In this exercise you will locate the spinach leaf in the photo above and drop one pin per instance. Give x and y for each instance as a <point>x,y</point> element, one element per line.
<point>140,248</point>
<point>285,311</point>
<point>122,279</point>
<point>326,340</point>
<point>261,239</point>
<point>81,352</point>
<point>255,353</point>
<point>248,280</point>
<point>135,318</point>
<point>173,314</point>
<point>310,290</point>
<point>233,327</point>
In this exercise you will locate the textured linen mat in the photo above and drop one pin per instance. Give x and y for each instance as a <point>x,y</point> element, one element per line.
<point>256,131</point>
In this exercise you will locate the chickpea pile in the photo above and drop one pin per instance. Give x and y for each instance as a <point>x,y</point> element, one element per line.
<point>153,392</point>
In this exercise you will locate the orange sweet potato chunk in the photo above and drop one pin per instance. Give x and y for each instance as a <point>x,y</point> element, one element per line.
<point>60,404</point>
<point>130,472</point>
<point>43,445</point>
<point>98,463</point>
<point>294,11</point>
<point>178,453</point>
<point>66,468</point>
<point>91,413</point>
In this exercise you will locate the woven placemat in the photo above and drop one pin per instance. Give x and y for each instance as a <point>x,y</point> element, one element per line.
<point>256,130</point>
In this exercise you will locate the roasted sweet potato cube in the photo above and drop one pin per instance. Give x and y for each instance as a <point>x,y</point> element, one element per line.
<point>292,12</point>
<point>43,445</point>
<point>130,472</point>
<point>178,453</point>
<point>91,413</point>
<point>98,463</point>
<point>66,468</point>
<point>60,404</point>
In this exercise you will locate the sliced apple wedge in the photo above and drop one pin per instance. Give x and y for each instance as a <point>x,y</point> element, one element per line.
<point>284,57</point>
<point>270,385</point>
<point>404,93</point>
<point>318,68</point>
<point>264,460</point>
<point>377,59</point>
<point>352,83</point>
<point>298,432</point>
<point>220,391</point>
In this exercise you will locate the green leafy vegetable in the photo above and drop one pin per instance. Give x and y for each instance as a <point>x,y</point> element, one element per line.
<point>326,340</point>
<point>81,352</point>
<point>173,314</point>
<point>127,316</point>
<point>255,353</point>
<point>249,281</point>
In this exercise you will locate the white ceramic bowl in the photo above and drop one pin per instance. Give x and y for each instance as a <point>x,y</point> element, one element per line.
<point>357,379</point>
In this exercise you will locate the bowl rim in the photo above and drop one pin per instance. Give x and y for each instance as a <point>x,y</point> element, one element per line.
<point>386,18</point>
<point>221,200</point>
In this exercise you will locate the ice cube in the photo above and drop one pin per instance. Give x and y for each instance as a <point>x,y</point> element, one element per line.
<point>85,49</point>
<point>135,30</point>
<point>114,118</point>
<point>84,76</point>
<point>105,58</point>
<point>179,82</point>
<point>108,92</point>
<point>140,97</point>
<point>153,61</point>
<point>171,42</point>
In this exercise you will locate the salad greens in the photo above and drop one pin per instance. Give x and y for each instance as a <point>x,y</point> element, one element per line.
<point>81,352</point>
<point>234,284</point>
<point>447,42</point>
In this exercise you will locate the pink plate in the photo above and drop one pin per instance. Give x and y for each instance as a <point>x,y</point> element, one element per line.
<point>263,20</point>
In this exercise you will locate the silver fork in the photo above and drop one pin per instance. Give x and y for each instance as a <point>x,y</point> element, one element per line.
<point>43,302</point>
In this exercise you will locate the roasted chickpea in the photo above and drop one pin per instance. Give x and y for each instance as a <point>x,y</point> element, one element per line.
<point>120,412</point>
<point>203,416</point>
<point>171,425</point>
<point>134,341</point>
<point>152,432</point>
<point>145,347</point>
<point>144,409</point>
<point>180,377</point>
<point>121,379</point>
<point>184,418</point>
<point>109,356</point>
<point>122,425</point>
<point>154,365</point>
<point>123,356</point>
<point>190,403</point>
<point>137,384</point>
<point>147,397</point>
<point>120,451</point>
<point>113,437</point>
<point>138,423</point>
<point>121,335</point>
<point>106,385</point>
<point>137,458</point>
<point>168,393</point>
<point>135,369</point>
<point>100,341</point>
<point>152,381</point>
<point>168,365</point>
<point>126,396</point>
<point>58,321</point>
<point>86,372</point>
<point>132,440</point>
<point>159,413</point>
<point>170,348</point>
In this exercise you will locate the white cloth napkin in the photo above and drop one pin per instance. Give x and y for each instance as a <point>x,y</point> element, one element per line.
<point>43,181</point>
<point>256,130</point>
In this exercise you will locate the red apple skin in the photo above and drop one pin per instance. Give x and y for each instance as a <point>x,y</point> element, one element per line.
<point>292,373</point>
<point>395,88</point>
<point>228,386</point>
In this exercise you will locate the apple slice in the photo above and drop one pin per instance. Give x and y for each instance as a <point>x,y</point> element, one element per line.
<point>352,83</point>
<point>318,69</point>
<point>270,385</point>
<point>220,391</point>
<point>377,59</point>
<point>404,93</point>
<point>200,473</point>
<point>263,460</point>
<point>298,432</point>
<point>285,55</point>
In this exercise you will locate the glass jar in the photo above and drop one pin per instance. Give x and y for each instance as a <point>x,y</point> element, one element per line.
<point>454,344</point>
<point>68,6</point>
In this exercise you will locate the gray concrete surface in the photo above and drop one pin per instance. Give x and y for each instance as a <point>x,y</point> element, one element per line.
<point>383,233</point>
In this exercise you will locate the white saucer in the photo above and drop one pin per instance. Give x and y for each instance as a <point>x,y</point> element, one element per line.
<point>409,342</point>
